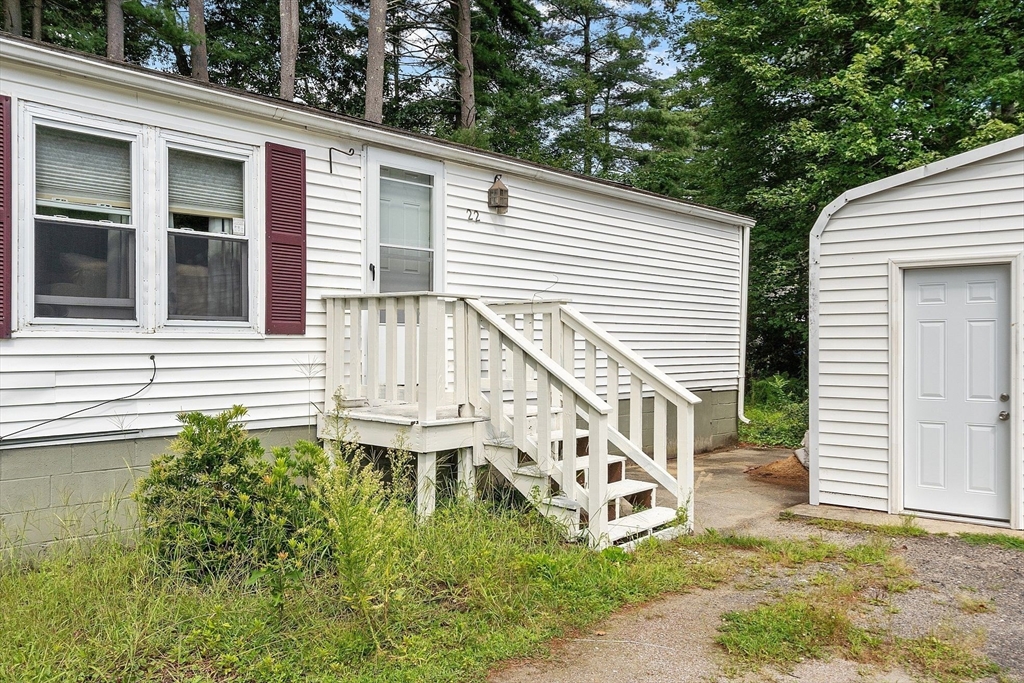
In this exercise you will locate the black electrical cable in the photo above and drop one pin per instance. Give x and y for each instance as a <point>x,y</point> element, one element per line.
<point>82,410</point>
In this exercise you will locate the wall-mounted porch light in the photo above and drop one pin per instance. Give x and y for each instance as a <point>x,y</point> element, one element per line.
<point>497,196</point>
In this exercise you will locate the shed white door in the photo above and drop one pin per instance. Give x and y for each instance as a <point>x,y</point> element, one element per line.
<point>956,391</point>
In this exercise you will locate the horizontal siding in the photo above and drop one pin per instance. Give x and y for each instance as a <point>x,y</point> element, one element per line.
<point>974,209</point>
<point>196,370</point>
<point>668,289</point>
<point>665,285</point>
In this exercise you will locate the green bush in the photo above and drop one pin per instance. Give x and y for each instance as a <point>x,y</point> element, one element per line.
<point>215,503</point>
<point>778,413</point>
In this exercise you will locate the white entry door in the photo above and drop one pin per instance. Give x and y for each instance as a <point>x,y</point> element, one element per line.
<point>405,214</point>
<point>957,391</point>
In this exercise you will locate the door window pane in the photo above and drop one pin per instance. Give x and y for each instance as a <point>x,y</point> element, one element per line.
<point>404,214</point>
<point>207,278</point>
<point>82,176</point>
<point>405,270</point>
<point>84,271</point>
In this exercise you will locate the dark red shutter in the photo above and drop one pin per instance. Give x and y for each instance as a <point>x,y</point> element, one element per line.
<point>6,216</point>
<point>286,240</point>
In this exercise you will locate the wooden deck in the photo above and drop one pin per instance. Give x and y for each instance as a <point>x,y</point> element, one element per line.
<point>513,385</point>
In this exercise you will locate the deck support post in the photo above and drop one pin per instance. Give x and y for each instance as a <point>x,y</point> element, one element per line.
<point>426,484</point>
<point>467,473</point>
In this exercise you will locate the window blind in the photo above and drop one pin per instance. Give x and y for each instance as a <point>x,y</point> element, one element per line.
<point>82,169</point>
<point>204,185</point>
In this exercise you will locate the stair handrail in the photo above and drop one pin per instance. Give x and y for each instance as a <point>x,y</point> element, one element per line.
<point>540,358</point>
<point>626,357</point>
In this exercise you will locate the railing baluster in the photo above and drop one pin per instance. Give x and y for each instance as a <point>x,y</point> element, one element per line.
<point>335,334</point>
<point>373,350</point>
<point>473,366</point>
<point>568,440</point>
<point>391,349</point>
<point>356,349</point>
<point>543,420</point>
<point>494,378</point>
<point>636,411</point>
<point>528,327</point>
<point>519,370</point>
<point>613,392</point>
<point>590,365</point>
<point>569,350</point>
<point>684,460</point>
<point>660,430</point>
<point>459,332</point>
<point>411,347</point>
<point>546,335</point>
<point>431,348</point>
<point>597,489</point>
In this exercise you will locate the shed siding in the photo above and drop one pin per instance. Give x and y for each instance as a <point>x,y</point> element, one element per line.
<point>666,284</point>
<point>975,209</point>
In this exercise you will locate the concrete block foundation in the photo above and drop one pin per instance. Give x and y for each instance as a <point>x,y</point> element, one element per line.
<point>49,492</point>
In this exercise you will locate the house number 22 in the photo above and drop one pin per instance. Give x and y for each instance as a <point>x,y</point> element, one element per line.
<point>472,215</point>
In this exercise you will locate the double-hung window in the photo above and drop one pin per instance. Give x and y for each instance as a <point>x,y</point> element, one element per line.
<point>207,243</point>
<point>85,234</point>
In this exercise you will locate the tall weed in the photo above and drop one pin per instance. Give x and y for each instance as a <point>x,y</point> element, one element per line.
<point>778,412</point>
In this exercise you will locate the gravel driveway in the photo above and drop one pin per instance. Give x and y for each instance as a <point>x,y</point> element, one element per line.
<point>979,591</point>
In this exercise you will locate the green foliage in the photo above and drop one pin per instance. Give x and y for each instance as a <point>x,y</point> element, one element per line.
<point>216,504</point>
<point>778,413</point>
<point>803,100</point>
<point>370,527</point>
<point>1002,540</point>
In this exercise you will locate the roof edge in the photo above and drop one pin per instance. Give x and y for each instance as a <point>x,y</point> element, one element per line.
<point>34,54</point>
<point>925,171</point>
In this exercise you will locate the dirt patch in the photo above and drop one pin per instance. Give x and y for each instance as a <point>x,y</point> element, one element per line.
<point>786,471</point>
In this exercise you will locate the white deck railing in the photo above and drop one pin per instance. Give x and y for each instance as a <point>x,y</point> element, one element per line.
<point>501,360</point>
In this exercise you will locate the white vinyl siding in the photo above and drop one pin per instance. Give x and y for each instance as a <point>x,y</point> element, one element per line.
<point>665,283</point>
<point>975,209</point>
<point>667,288</point>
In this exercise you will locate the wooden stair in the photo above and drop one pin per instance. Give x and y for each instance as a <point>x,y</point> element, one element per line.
<point>514,385</point>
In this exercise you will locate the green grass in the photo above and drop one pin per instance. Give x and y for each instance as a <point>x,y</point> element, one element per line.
<point>482,585</point>
<point>1002,540</point>
<point>906,528</point>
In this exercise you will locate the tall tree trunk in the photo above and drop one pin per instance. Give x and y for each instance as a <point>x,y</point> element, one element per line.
<point>197,25</point>
<point>12,16</point>
<point>395,36</point>
<point>464,54</point>
<point>115,30</point>
<point>588,104</point>
<point>37,19</point>
<point>289,47</point>
<point>375,61</point>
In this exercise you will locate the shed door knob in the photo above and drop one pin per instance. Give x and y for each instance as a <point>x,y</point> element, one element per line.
<point>1004,416</point>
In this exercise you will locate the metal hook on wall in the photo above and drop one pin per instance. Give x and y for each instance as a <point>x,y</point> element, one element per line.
<point>330,155</point>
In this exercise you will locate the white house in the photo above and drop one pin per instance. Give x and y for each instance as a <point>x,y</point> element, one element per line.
<point>916,342</point>
<point>173,246</point>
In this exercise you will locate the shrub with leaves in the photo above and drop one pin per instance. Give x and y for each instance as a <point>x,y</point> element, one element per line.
<point>215,503</point>
<point>778,412</point>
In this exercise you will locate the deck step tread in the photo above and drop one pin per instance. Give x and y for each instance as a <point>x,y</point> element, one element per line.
<point>639,523</point>
<point>628,487</point>
<point>583,461</point>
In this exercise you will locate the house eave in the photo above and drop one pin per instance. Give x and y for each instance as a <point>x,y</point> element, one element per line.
<point>36,55</point>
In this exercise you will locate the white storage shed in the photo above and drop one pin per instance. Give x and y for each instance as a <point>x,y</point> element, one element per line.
<point>916,342</point>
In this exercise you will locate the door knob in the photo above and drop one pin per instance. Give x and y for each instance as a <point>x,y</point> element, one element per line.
<point>1004,397</point>
<point>1004,416</point>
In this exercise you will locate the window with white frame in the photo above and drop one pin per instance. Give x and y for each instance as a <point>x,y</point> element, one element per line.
<point>406,231</point>
<point>207,243</point>
<point>85,234</point>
